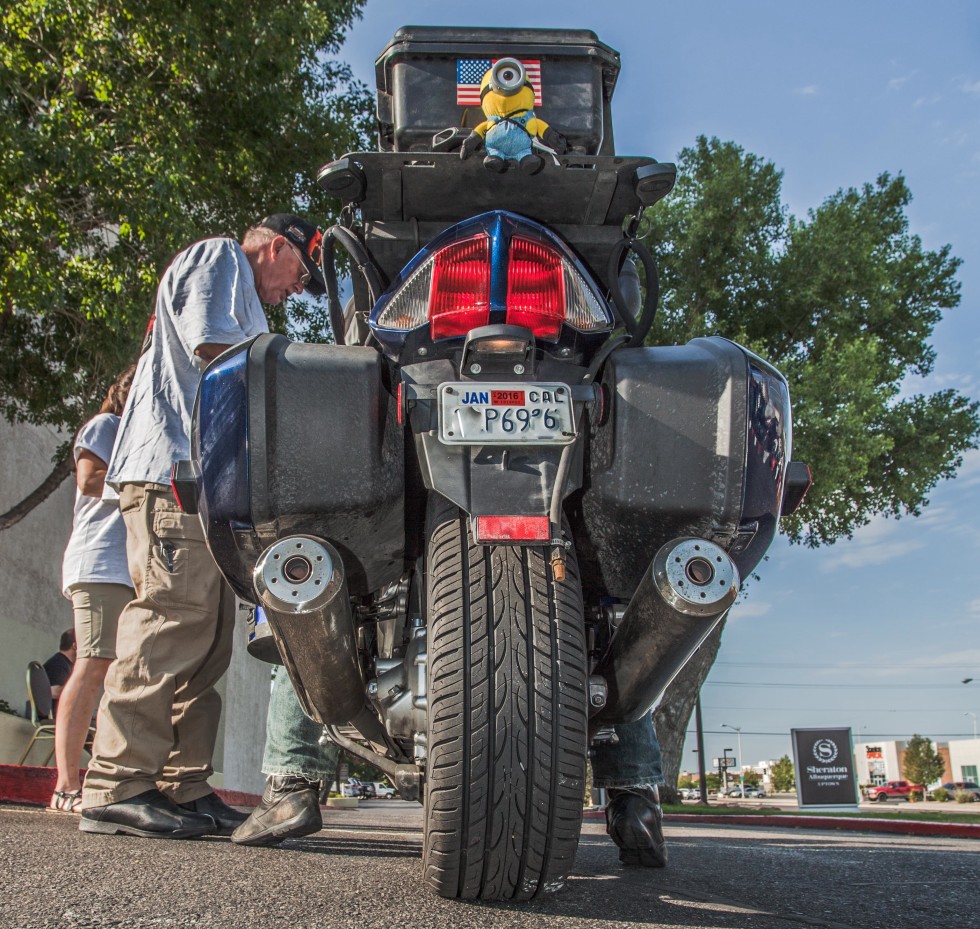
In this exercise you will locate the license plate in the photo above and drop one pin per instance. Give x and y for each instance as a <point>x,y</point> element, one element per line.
<point>506,414</point>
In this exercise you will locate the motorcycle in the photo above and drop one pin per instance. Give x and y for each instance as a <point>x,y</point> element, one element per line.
<point>490,522</point>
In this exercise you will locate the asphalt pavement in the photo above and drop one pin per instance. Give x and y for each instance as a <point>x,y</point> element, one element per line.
<point>363,870</point>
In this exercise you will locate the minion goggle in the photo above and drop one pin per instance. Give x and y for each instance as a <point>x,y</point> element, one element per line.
<point>507,77</point>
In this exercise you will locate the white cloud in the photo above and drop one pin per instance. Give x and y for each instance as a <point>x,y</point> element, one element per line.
<point>974,608</point>
<point>875,543</point>
<point>965,382</point>
<point>971,87</point>
<point>811,90</point>
<point>969,473</point>
<point>928,101</point>
<point>750,609</point>
<point>897,83</point>
<point>938,517</point>
<point>891,664</point>
<point>957,138</point>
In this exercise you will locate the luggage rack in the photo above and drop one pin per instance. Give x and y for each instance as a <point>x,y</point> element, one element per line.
<point>405,199</point>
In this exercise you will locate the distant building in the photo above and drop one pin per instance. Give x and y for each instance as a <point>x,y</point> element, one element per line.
<point>763,769</point>
<point>881,761</point>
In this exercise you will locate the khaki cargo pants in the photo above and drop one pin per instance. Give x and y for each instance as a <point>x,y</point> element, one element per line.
<point>159,716</point>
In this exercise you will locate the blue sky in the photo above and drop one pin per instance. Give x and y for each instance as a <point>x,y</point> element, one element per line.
<point>875,633</point>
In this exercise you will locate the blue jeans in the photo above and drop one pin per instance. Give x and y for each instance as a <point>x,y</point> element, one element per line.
<point>292,739</point>
<point>292,746</point>
<point>634,762</point>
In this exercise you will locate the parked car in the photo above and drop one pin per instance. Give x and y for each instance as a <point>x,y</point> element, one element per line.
<point>355,788</point>
<point>894,790</point>
<point>748,792</point>
<point>384,791</point>
<point>689,793</point>
<point>970,787</point>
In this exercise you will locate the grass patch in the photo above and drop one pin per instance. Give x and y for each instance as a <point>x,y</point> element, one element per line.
<point>925,816</point>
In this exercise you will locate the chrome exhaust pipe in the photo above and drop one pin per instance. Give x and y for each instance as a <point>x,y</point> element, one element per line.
<point>689,586</point>
<point>302,587</point>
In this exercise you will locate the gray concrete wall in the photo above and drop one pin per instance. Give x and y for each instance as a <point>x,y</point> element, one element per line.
<point>33,612</point>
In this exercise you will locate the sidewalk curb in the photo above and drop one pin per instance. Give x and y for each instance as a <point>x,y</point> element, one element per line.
<point>845,823</point>
<point>26,784</point>
<point>32,785</point>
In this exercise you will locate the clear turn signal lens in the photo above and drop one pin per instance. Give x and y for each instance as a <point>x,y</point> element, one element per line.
<point>582,308</point>
<point>409,308</point>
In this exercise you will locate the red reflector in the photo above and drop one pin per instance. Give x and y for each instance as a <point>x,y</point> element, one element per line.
<point>535,288</point>
<point>507,397</point>
<point>512,529</point>
<point>460,297</point>
<point>398,400</point>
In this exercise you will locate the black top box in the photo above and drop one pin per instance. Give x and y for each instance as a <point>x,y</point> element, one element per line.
<point>417,83</point>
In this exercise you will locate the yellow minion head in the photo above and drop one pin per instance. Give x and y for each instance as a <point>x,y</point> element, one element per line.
<point>506,89</point>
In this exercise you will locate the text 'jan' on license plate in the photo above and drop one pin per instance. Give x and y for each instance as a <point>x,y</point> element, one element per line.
<point>506,414</point>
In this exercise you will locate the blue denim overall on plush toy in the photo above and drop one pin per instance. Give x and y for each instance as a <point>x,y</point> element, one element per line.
<point>508,137</point>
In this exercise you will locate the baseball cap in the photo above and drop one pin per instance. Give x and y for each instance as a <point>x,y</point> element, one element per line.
<point>307,238</point>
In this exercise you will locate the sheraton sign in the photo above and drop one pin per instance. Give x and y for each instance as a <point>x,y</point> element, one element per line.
<point>824,763</point>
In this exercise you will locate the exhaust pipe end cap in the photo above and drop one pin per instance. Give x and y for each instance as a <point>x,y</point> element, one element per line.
<point>297,574</point>
<point>696,577</point>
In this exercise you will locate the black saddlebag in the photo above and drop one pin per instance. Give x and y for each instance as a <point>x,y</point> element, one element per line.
<point>300,438</point>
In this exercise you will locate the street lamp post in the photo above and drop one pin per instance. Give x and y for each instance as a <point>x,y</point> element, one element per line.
<point>702,769</point>
<point>967,680</point>
<point>741,761</point>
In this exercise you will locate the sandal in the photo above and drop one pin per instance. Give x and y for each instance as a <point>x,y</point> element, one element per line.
<point>66,801</point>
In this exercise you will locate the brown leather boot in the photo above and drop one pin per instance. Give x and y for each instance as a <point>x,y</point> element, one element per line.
<point>290,808</point>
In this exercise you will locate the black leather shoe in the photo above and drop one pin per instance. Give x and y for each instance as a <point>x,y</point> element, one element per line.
<point>225,818</point>
<point>634,820</point>
<point>149,815</point>
<point>290,807</point>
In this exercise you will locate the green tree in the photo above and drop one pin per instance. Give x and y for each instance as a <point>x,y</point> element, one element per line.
<point>844,302</point>
<point>922,764</point>
<point>783,775</point>
<point>127,131</point>
<point>751,778</point>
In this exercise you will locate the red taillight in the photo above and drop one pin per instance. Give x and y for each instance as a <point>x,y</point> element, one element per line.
<point>460,296</point>
<point>535,288</point>
<point>512,529</point>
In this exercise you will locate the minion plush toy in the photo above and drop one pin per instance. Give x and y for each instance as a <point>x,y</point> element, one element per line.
<point>511,128</point>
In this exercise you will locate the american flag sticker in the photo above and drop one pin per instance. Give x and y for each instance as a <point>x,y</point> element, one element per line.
<point>470,71</point>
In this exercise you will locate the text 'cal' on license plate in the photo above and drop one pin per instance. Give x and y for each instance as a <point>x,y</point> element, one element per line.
<point>506,414</point>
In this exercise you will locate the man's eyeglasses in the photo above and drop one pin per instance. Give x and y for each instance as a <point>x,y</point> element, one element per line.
<point>304,278</point>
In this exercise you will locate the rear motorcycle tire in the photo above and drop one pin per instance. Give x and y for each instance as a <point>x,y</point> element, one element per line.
<point>507,716</point>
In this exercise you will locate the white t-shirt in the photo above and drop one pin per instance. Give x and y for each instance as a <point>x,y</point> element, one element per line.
<point>96,552</point>
<point>206,296</point>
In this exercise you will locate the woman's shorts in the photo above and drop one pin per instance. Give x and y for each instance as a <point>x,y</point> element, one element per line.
<point>97,608</point>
